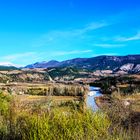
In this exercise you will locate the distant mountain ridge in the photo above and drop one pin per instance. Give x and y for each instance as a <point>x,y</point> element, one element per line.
<point>95,63</point>
<point>7,68</point>
<point>44,64</point>
<point>72,70</point>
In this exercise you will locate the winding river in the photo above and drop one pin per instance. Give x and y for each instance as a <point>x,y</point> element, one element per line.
<point>94,92</point>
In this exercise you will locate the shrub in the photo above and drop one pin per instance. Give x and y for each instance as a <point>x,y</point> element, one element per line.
<point>19,124</point>
<point>59,90</point>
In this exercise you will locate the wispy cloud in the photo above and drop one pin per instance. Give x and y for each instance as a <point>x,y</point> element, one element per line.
<point>31,57</point>
<point>14,57</point>
<point>94,26</point>
<point>20,59</point>
<point>109,45</point>
<point>67,36</point>
<point>60,53</point>
<point>132,38</point>
<point>108,54</point>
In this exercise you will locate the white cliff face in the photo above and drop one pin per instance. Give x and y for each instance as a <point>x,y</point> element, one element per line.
<point>137,68</point>
<point>130,67</point>
<point>127,67</point>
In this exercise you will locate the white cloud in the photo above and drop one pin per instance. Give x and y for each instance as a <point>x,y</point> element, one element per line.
<point>108,54</point>
<point>20,59</point>
<point>68,36</point>
<point>59,53</point>
<point>31,57</point>
<point>14,57</point>
<point>109,45</point>
<point>132,38</point>
<point>95,25</point>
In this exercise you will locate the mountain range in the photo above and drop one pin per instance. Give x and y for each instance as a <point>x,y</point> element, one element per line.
<point>129,63</point>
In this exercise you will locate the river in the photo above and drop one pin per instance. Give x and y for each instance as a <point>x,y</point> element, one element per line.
<point>94,92</point>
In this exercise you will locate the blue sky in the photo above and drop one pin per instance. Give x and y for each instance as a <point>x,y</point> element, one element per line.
<point>42,30</point>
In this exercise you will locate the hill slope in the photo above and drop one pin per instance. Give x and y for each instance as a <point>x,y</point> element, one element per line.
<point>94,63</point>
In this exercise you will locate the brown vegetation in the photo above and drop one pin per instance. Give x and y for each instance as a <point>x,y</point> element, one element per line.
<point>123,110</point>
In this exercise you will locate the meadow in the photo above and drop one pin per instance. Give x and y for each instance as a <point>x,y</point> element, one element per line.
<point>33,118</point>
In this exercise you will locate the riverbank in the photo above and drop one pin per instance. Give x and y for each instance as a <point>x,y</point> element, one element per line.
<point>123,110</point>
<point>132,101</point>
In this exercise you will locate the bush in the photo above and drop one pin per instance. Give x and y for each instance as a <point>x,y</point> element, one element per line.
<point>59,125</point>
<point>19,124</point>
<point>59,90</point>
